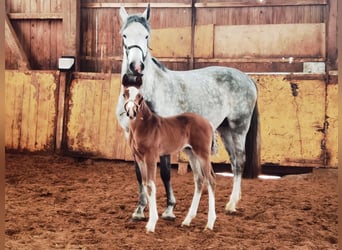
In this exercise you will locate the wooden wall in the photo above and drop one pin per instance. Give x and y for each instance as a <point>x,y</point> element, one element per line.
<point>31,110</point>
<point>180,29</point>
<point>181,26</point>
<point>42,114</point>
<point>45,30</point>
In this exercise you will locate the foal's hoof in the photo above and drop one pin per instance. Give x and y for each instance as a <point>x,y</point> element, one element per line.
<point>230,208</point>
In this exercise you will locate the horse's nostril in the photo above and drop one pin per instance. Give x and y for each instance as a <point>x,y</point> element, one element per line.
<point>142,67</point>
<point>131,67</point>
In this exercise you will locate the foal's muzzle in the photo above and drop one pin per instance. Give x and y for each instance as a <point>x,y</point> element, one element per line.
<point>131,109</point>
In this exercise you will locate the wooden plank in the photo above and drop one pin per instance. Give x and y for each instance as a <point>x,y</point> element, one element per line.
<point>60,110</point>
<point>332,36</point>
<point>277,40</point>
<point>15,46</point>
<point>171,42</point>
<point>269,3</point>
<point>291,124</point>
<point>332,135</point>
<point>226,4</point>
<point>92,127</point>
<point>30,110</point>
<point>39,16</point>
<point>135,5</point>
<point>71,27</point>
<point>204,41</point>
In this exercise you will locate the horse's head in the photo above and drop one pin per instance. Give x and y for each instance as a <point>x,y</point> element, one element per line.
<point>135,33</point>
<point>132,95</point>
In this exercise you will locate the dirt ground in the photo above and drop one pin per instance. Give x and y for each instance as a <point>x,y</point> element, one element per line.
<point>55,202</point>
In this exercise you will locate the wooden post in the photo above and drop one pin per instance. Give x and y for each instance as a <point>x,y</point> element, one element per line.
<point>331,37</point>
<point>193,26</point>
<point>60,110</point>
<point>71,29</point>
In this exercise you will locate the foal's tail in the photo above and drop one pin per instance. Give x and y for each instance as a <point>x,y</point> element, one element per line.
<point>252,147</point>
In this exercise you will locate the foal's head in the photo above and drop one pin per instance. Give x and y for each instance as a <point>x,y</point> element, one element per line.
<point>132,95</point>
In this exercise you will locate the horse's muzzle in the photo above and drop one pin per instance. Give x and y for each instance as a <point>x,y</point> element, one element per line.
<point>136,68</point>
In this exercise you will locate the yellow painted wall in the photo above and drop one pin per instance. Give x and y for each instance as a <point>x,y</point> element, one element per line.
<point>92,127</point>
<point>291,127</point>
<point>332,125</point>
<point>30,99</point>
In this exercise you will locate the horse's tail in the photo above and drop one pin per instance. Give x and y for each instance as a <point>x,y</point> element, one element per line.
<point>214,145</point>
<point>252,147</point>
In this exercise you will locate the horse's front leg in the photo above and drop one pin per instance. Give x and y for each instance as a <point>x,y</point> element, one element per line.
<point>165,173</point>
<point>138,214</point>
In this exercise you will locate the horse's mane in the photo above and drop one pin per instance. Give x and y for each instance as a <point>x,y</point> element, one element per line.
<point>159,64</point>
<point>139,19</point>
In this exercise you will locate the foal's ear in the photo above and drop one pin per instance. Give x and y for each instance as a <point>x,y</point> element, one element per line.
<point>123,14</point>
<point>138,81</point>
<point>125,80</point>
<point>147,12</point>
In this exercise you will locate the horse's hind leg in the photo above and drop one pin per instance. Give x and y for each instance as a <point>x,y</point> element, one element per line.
<point>198,180</point>
<point>235,144</point>
<point>165,173</point>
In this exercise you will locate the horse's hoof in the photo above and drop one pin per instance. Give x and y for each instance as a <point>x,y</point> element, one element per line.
<point>138,215</point>
<point>168,216</point>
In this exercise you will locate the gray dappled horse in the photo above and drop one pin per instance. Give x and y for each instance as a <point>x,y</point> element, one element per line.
<point>225,96</point>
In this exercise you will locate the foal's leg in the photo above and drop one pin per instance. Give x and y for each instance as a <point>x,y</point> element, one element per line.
<point>198,180</point>
<point>150,190</point>
<point>138,214</point>
<point>165,173</point>
<point>210,176</point>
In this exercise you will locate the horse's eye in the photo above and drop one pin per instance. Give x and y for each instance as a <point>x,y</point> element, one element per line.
<point>146,37</point>
<point>124,36</point>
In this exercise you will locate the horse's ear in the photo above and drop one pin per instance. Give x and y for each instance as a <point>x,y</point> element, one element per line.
<point>147,13</point>
<point>125,80</point>
<point>123,14</point>
<point>138,81</point>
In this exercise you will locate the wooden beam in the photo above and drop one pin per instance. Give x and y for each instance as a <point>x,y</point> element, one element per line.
<point>60,110</point>
<point>15,46</point>
<point>135,5</point>
<point>39,16</point>
<point>227,4</point>
<point>260,3</point>
<point>71,27</point>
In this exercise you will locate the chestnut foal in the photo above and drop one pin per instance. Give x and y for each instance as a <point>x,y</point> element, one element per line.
<point>151,136</point>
